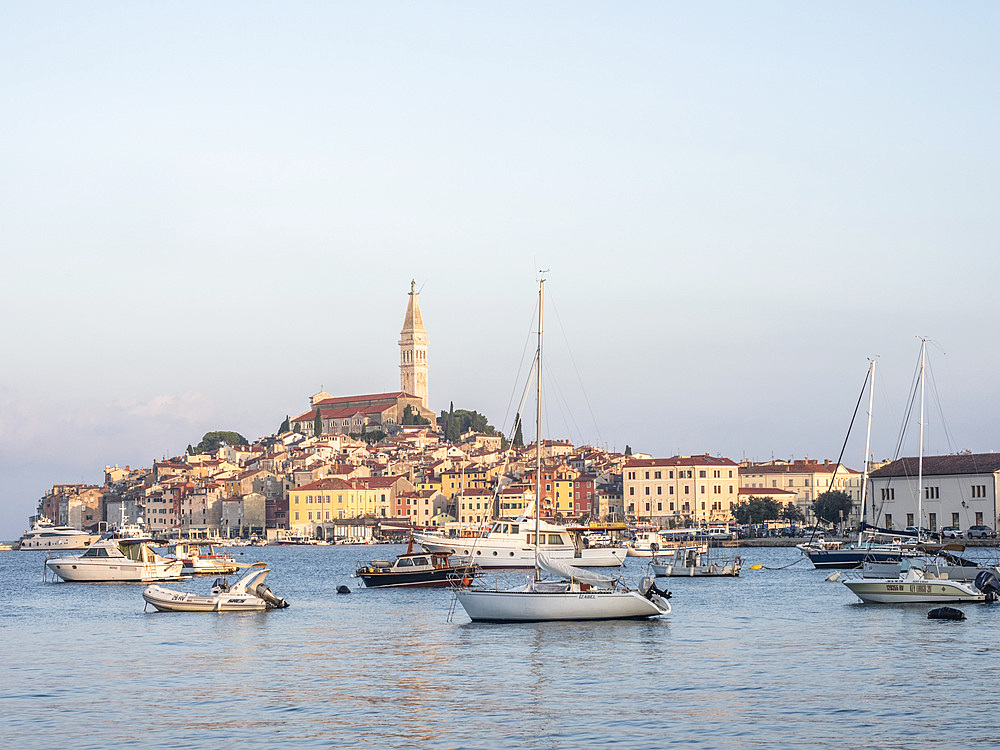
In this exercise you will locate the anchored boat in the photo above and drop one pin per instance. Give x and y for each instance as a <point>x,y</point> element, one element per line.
<point>248,594</point>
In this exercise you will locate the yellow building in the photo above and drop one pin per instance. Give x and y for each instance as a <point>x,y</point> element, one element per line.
<point>683,490</point>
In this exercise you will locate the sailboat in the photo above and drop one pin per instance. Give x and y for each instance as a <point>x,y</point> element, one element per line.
<point>568,593</point>
<point>871,545</point>
<point>916,583</point>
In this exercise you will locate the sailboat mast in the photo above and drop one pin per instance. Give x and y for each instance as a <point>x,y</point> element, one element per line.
<point>868,443</point>
<point>920,455</point>
<point>538,423</point>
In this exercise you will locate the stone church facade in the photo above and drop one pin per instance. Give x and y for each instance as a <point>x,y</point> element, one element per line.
<point>379,411</point>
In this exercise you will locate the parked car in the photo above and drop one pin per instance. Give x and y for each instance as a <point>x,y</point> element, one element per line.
<point>981,532</point>
<point>952,532</point>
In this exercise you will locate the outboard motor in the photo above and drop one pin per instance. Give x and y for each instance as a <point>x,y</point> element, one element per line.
<point>263,591</point>
<point>987,582</point>
<point>647,587</point>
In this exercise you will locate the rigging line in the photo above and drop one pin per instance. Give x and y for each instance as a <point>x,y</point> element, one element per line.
<point>576,370</point>
<point>563,405</point>
<point>936,394</point>
<point>520,366</point>
<point>850,427</point>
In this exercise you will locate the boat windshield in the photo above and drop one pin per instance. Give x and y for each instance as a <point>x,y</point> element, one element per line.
<point>404,562</point>
<point>420,561</point>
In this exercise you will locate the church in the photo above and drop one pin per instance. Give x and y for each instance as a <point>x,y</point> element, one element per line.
<point>379,411</point>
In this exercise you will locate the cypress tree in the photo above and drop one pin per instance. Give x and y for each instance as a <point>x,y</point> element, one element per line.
<point>518,437</point>
<point>317,424</point>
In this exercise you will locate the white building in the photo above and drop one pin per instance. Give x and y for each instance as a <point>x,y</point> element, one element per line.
<point>957,491</point>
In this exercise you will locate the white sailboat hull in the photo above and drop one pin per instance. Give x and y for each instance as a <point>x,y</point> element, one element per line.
<point>535,606</point>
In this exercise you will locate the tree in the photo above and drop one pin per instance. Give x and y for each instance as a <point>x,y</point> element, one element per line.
<point>833,507</point>
<point>317,424</point>
<point>213,440</point>
<point>792,514</point>
<point>628,450</point>
<point>756,510</point>
<point>412,416</point>
<point>518,437</point>
<point>284,426</point>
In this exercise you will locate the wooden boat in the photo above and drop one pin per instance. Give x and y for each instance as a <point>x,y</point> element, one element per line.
<point>417,569</point>
<point>248,594</point>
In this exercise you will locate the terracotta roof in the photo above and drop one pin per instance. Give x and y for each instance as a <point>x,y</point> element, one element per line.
<point>703,460</point>
<point>796,467</point>
<point>974,463</point>
<point>330,483</point>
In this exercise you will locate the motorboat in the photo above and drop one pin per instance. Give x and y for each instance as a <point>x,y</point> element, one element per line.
<point>248,594</point>
<point>116,560</point>
<point>511,544</point>
<point>45,535</point>
<point>200,558</point>
<point>418,569</point>
<point>697,561</point>
<point>918,585</point>
<point>568,592</point>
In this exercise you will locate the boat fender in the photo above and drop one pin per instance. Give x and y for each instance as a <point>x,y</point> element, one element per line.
<point>343,590</point>
<point>946,613</point>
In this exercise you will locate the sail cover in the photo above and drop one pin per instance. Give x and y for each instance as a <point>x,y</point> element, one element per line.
<point>559,568</point>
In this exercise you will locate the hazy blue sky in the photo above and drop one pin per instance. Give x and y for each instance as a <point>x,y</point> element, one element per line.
<point>212,209</point>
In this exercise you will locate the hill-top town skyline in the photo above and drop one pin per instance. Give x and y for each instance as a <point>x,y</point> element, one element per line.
<point>354,466</point>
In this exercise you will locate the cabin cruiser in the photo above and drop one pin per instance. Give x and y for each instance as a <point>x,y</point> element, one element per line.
<point>200,558</point>
<point>418,569</point>
<point>45,535</point>
<point>116,560</point>
<point>248,594</point>
<point>511,544</point>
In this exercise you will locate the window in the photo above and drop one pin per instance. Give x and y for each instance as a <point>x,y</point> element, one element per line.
<point>889,493</point>
<point>687,489</point>
<point>888,520</point>
<point>932,521</point>
<point>659,490</point>
<point>670,490</point>
<point>647,475</point>
<point>954,519</point>
<point>979,490</point>
<point>656,475</point>
<point>909,519</point>
<point>659,506</point>
<point>702,474</point>
<point>647,490</point>
<point>979,518</point>
<point>932,493</point>
<point>631,490</point>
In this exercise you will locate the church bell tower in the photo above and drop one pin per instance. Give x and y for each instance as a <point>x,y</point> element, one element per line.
<point>413,350</point>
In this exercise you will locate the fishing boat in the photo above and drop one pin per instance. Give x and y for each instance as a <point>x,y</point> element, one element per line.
<point>698,561</point>
<point>248,594</point>
<point>116,560</point>
<point>45,535</point>
<point>200,558</point>
<point>569,592</point>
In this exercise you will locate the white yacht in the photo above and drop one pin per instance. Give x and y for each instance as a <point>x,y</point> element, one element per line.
<point>511,544</point>
<point>45,535</point>
<point>201,558</point>
<point>116,560</point>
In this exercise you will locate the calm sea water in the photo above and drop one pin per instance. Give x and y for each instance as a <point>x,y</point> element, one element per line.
<point>776,658</point>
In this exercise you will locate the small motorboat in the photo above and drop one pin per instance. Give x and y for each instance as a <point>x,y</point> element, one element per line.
<point>697,562</point>
<point>200,558</point>
<point>248,594</point>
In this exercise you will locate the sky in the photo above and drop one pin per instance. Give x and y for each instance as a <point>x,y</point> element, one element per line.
<point>211,210</point>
